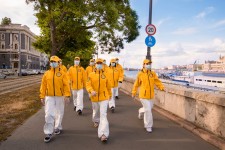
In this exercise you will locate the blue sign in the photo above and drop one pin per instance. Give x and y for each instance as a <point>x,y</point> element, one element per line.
<point>150,41</point>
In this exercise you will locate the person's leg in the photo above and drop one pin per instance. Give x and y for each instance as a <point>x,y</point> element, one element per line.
<point>148,118</point>
<point>74,92</point>
<point>117,93</point>
<point>141,112</point>
<point>96,113</point>
<point>59,113</point>
<point>80,104</point>
<point>112,100</point>
<point>103,129</point>
<point>49,114</point>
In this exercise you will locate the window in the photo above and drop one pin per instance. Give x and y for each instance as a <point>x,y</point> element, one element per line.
<point>3,46</point>
<point>3,36</point>
<point>16,46</point>
<point>219,81</point>
<point>213,81</point>
<point>208,80</point>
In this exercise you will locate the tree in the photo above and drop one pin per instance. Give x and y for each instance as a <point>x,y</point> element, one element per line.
<point>6,21</point>
<point>74,25</point>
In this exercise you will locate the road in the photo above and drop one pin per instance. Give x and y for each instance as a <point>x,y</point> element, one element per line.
<point>126,132</point>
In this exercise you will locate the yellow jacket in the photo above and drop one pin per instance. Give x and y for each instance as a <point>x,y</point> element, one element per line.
<point>115,76</point>
<point>146,79</point>
<point>77,77</point>
<point>90,69</point>
<point>54,83</point>
<point>119,67</point>
<point>63,68</point>
<point>99,82</point>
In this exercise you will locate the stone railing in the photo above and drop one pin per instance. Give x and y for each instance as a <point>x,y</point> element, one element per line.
<point>204,109</point>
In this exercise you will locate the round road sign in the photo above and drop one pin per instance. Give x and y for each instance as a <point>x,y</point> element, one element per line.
<point>150,29</point>
<point>150,41</point>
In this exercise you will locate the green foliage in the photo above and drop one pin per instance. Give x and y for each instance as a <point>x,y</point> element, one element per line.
<point>75,27</point>
<point>6,21</point>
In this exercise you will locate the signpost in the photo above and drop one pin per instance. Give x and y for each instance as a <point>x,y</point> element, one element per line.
<point>150,29</point>
<point>150,41</point>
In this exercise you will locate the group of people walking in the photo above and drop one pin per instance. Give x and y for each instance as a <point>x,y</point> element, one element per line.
<point>102,83</point>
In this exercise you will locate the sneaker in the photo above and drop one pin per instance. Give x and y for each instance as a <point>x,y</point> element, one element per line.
<point>117,97</point>
<point>104,138</point>
<point>96,124</point>
<point>149,130</point>
<point>140,116</point>
<point>79,112</point>
<point>57,131</point>
<point>48,138</point>
<point>112,109</point>
<point>74,108</point>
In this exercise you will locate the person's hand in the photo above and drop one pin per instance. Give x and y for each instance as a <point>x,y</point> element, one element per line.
<point>67,99</point>
<point>120,84</point>
<point>93,93</point>
<point>43,101</point>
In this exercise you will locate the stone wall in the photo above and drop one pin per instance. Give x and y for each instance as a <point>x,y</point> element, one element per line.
<point>204,109</point>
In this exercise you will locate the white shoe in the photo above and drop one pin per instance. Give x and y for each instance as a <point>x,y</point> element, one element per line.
<point>140,116</point>
<point>149,130</point>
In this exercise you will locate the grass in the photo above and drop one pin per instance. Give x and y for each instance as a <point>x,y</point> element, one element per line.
<point>16,107</point>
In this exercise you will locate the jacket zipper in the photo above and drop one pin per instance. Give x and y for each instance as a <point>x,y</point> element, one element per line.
<point>104,93</point>
<point>99,85</point>
<point>77,78</point>
<point>149,84</point>
<point>54,81</point>
<point>61,91</point>
<point>113,78</point>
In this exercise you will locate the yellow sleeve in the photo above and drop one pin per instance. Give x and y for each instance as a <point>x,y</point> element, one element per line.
<point>66,86</point>
<point>108,84</point>
<point>120,75</point>
<point>84,77</point>
<point>89,85</point>
<point>43,87</point>
<point>157,82</point>
<point>136,84</point>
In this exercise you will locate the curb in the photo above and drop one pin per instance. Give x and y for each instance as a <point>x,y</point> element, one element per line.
<point>207,136</point>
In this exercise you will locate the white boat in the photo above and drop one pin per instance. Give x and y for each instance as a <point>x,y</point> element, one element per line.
<point>215,81</point>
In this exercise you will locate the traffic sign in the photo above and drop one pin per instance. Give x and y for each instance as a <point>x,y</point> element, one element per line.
<point>150,29</point>
<point>150,41</point>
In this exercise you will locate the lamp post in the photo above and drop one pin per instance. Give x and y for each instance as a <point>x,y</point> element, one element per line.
<point>20,54</point>
<point>148,56</point>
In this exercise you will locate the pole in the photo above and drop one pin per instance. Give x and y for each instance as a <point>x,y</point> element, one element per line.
<point>148,56</point>
<point>20,55</point>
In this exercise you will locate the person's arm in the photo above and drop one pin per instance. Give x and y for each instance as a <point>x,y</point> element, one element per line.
<point>66,86</point>
<point>136,85</point>
<point>157,82</point>
<point>84,77</point>
<point>43,87</point>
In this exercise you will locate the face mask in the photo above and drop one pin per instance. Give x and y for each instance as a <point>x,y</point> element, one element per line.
<point>104,62</point>
<point>54,64</point>
<point>76,62</point>
<point>113,64</point>
<point>92,63</point>
<point>117,61</point>
<point>99,66</point>
<point>148,67</point>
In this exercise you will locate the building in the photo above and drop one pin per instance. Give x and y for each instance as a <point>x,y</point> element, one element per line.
<point>16,49</point>
<point>217,66</point>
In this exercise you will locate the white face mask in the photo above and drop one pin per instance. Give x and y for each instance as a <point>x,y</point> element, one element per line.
<point>117,61</point>
<point>99,66</point>
<point>148,67</point>
<point>76,62</point>
<point>92,63</point>
<point>113,64</point>
<point>54,64</point>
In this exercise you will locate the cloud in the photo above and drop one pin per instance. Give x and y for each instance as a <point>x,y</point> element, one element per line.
<point>205,12</point>
<point>185,31</point>
<point>162,21</point>
<point>219,23</point>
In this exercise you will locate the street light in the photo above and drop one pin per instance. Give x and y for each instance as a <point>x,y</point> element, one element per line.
<point>148,56</point>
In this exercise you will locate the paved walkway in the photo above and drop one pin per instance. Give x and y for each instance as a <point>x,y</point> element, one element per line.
<point>126,132</point>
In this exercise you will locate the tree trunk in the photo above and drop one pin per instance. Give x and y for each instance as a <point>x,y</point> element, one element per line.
<point>53,38</point>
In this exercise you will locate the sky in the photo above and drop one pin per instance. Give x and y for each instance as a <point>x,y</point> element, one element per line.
<point>187,31</point>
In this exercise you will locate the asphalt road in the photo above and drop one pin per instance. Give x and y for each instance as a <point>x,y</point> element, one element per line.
<point>126,132</point>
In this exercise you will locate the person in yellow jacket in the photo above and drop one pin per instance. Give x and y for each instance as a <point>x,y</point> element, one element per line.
<point>77,77</point>
<point>98,86</point>
<point>91,67</point>
<point>53,91</point>
<point>119,67</point>
<point>116,77</point>
<point>61,66</point>
<point>105,67</point>
<point>146,79</point>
